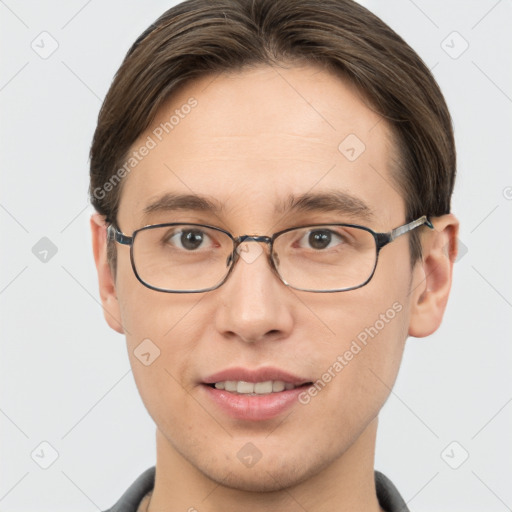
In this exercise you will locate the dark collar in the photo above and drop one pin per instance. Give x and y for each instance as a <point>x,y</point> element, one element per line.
<point>387,494</point>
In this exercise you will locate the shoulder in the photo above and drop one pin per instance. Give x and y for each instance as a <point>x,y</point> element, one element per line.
<point>389,497</point>
<point>131,499</point>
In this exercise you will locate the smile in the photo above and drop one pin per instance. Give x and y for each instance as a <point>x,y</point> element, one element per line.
<point>253,395</point>
<point>254,388</point>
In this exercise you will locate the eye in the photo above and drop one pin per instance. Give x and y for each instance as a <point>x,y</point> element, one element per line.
<point>320,239</point>
<point>189,239</point>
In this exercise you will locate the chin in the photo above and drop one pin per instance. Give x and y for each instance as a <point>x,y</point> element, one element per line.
<point>269,474</point>
<point>267,478</point>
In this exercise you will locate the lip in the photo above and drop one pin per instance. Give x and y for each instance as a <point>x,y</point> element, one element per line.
<point>253,407</point>
<point>257,375</point>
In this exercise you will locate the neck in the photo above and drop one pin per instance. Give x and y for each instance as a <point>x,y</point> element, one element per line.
<point>346,484</point>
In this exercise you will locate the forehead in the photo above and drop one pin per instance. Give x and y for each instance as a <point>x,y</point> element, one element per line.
<point>255,139</point>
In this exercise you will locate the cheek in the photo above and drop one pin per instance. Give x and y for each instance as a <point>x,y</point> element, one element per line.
<point>369,328</point>
<point>163,333</point>
<point>161,347</point>
<point>375,352</point>
<point>358,374</point>
<point>369,335</point>
<point>147,313</point>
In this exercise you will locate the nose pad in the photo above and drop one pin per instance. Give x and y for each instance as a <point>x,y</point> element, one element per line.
<point>229,260</point>
<point>275,257</point>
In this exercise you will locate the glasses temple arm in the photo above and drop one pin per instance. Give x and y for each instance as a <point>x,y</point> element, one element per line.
<point>401,230</point>
<point>114,234</point>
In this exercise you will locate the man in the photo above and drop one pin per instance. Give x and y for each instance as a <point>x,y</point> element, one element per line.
<point>273,182</point>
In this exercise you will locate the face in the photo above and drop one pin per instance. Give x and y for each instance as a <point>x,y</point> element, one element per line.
<point>253,144</point>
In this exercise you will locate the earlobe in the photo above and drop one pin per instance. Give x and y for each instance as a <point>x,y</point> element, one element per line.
<point>106,281</point>
<point>432,276</point>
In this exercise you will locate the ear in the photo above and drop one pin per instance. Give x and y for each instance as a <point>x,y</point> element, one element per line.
<point>432,276</point>
<point>106,281</point>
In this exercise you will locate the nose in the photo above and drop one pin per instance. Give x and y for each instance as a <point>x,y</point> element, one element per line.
<point>253,304</point>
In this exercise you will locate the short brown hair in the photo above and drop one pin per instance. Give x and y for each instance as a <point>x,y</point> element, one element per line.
<point>202,36</point>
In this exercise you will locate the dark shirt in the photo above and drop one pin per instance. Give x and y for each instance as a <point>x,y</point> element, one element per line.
<point>387,494</point>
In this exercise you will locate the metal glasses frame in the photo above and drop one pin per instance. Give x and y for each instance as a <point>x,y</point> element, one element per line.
<point>381,240</point>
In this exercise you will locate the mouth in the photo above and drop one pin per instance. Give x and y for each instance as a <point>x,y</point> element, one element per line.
<point>254,395</point>
<point>266,387</point>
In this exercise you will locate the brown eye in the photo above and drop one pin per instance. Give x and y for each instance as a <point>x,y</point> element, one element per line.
<point>319,239</point>
<point>189,239</point>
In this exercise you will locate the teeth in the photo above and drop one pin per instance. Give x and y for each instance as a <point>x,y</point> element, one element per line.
<point>230,385</point>
<point>262,388</point>
<point>278,385</point>
<point>254,388</point>
<point>244,387</point>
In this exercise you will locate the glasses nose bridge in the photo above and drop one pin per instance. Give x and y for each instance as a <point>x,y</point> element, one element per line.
<point>252,238</point>
<point>235,255</point>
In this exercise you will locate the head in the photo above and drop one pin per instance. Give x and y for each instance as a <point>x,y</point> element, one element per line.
<point>255,115</point>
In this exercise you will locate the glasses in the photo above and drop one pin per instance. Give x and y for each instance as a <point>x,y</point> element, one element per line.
<point>194,258</point>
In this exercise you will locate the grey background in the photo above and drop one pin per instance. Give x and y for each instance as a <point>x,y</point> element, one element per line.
<point>65,378</point>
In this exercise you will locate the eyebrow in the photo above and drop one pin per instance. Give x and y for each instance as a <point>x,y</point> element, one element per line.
<point>328,202</point>
<point>173,202</point>
<point>323,202</point>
